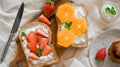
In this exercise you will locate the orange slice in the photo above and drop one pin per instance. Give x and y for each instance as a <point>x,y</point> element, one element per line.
<point>79,26</point>
<point>65,13</point>
<point>65,38</point>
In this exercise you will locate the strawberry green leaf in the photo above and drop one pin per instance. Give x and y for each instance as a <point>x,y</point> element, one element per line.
<point>68,25</point>
<point>49,1</point>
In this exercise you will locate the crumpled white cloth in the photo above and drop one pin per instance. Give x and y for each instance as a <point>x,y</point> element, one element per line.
<point>8,11</point>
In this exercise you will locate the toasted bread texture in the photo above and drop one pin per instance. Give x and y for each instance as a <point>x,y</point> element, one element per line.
<point>80,12</point>
<point>31,26</point>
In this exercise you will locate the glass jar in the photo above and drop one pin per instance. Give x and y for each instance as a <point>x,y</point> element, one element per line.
<point>109,11</point>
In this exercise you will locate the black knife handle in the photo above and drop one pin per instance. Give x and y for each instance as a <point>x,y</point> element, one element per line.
<point>6,47</point>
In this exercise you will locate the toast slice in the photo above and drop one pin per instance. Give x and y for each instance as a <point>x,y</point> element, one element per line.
<point>45,54</point>
<point>78,11</point>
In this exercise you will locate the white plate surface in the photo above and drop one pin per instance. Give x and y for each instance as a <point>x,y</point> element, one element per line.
<point>103,40</point>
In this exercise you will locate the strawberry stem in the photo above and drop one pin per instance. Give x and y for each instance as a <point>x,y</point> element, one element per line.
<point>98,59</point>
<point>49,1</point>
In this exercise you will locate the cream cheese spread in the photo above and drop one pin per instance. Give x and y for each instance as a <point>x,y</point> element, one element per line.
<point>79,12</point>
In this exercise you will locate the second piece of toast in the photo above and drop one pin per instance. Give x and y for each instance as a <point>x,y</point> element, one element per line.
<point>72,25</point>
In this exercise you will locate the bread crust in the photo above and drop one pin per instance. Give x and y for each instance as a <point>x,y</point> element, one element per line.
<point>53,60</point>
<point>85,33</point>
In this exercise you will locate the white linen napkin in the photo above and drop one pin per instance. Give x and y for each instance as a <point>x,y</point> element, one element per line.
<point>73,62</point>
<point>8,11</point>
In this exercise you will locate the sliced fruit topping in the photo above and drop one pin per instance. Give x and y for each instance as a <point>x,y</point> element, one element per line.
<point>23,34</point>
<point>65,13</point>
<point>32,48</point>
<point>33,56</point>
<point>46,50</point>
<point>48,7</point>
<point>65,38</point>
<point>43,42</point>
<point>101,54</point>
<point>41,32</point>
<point>43,19</point>
<point>32,38</point>
<point>79,26</point>
<point>39,52</point>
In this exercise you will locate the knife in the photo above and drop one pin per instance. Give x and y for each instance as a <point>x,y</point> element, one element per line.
<point>13,31</point>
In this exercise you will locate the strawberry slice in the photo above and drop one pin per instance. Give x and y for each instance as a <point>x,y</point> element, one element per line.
<point>32,38</point>
<point>32,48</point>
<point>43,42</point>
<point>43,19</point>
<point>41,32</point>
<point>46,50</point>
<point>101,54</point>
<point>33,56</point>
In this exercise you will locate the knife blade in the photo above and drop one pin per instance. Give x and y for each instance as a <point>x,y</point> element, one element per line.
<point>13,31</point>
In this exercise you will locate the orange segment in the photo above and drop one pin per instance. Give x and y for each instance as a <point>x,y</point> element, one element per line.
<point>65,12</point>
<point>65,38</point>
<point>79,26</point>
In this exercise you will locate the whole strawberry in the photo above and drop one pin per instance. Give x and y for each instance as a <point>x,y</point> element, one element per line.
<point>48,7</point>
<point>101,54</point>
